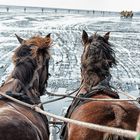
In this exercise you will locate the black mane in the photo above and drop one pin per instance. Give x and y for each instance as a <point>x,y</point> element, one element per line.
<point>24,70</point>
<point>100,57</point>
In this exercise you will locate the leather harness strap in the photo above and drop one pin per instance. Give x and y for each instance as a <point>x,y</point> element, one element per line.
<point>106,90</point>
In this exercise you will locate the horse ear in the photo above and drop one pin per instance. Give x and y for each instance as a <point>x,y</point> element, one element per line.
<point>84,37</point>
<point>106,36</point>
<point>48,36</point>
<point>19,38</point>
<point>48,39</point>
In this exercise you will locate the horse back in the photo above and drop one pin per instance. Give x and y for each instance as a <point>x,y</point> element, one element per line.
<point>22,123</point>
<point>113,114</point>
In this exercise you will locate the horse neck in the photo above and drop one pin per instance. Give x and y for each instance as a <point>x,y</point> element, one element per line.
<point>94,73</point>
<point>24,71</point>
<point>89,80</point>
<point>23,80</point>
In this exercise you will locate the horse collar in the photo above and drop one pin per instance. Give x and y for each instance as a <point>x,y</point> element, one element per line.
<point>103,86</point>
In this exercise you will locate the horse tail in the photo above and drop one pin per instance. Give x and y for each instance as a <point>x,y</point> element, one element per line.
<point>119,113</point>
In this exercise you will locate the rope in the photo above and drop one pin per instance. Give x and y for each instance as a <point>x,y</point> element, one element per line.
<point>15,100</point>
<point>129,96</point>
<point>124,93</point>
<point>82,98</point>
<point>116,131</point>
<point>50,101</point>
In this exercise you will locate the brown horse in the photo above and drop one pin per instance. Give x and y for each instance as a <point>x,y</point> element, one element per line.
<point>97,59</point>
<point>27,83</point>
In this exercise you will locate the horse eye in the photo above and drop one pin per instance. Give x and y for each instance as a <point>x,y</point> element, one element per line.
<point>25,53</point>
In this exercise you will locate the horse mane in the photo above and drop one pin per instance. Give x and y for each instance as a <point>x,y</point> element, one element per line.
<point>24,70</point>
<point>101,58</point>
<point>39,41</point>
<point>32,54</point>
<point>30,47</point>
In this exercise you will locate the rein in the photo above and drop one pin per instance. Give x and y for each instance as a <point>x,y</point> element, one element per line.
<point>62,96</point>
<point>83,97</point>
<point>88,99</point>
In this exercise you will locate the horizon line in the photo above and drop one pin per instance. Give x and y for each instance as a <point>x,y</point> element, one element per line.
<point>27,6</point>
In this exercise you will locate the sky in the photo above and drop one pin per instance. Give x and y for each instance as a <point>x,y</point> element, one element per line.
<point>104,5</point>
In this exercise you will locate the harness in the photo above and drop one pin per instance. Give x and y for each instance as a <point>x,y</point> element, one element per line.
<point>19,96</point>
<point>101,87</point>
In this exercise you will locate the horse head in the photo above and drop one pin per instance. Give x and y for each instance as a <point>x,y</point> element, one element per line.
<point>97,58</point>
<point>31,61</point>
